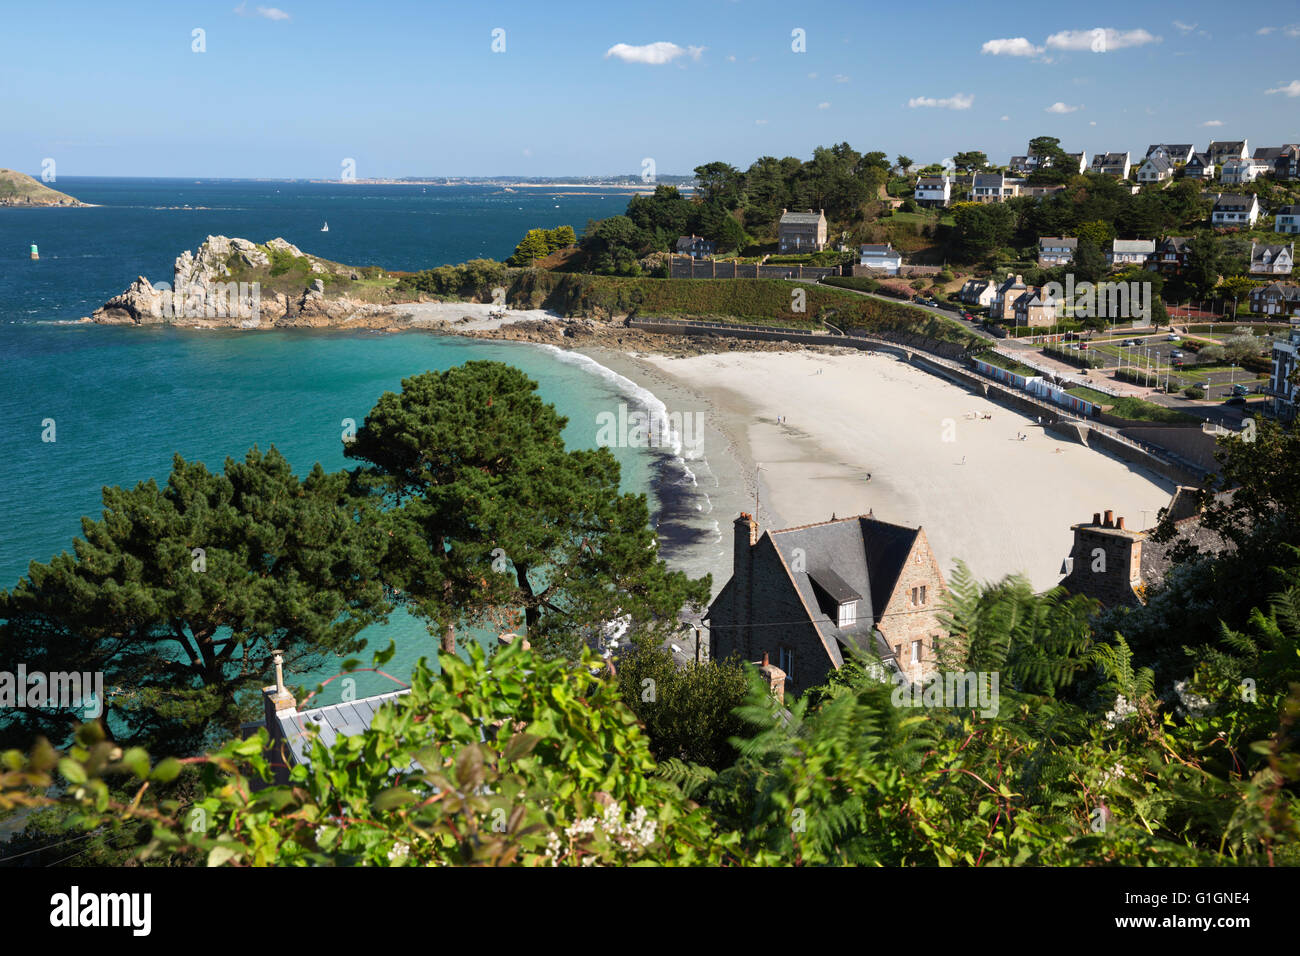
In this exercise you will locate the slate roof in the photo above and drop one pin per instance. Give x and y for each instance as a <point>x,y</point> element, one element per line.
<point>1175,243</point>
<point>1292,210</point>
<point>1230,202</point>
<point>1175,150</point>
<point>1159,162</point>
<point>988,180</point>
<point>801,218</point>
<point>931,182</point>
<point>1268,253</point>
<point>876,249</point>
<point>865,555</point>
<point>337,720</point>
<point>1057,243</point>
<point>1132,246</point>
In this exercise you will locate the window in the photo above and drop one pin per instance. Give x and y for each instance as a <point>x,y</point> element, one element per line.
<point>785,661</point>
<point>898,651</point>
<point>915,593</point>
<point>848,613</point>
<point>922,593</point>
<point>916,652</point>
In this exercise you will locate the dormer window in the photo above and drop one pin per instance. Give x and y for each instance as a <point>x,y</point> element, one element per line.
<point>848,613</point>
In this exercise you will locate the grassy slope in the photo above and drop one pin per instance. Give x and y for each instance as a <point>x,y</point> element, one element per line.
<point>16,185</point>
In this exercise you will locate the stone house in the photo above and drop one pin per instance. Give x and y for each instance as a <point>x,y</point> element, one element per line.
<point>810,597</point>
<point>1105,562</point>
<point>1004,299</point>
<point>696,247</point>
<point>1035,308</point>
<point>994,187</point>
<point>801,231</point>
<point>1276,298</point>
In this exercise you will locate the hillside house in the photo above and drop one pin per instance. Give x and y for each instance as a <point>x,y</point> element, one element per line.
<point>696,247</point>
<point>1112,164</point>
<point>1035,308</point>
<point>844,586</point>
<point>1286,355</point>
<point>1235,171</point>
<point>994,187</point>
<point>801,231</point>
<point>1127,252</point>
<point>1287,219</point>
<point>1271,260</point>
<point>884,258</point>
<point>1056,251</point>
<point>1176,153</point>
<point>1004,299</point>
<point>1155,169</point>
<point>978,292</point>
<point>1276,298</point>
<point>1233,210</point>
<point>1222,151</point>
<point>1171,254</point>
<point>1200,166</point>
<point>932,191</point>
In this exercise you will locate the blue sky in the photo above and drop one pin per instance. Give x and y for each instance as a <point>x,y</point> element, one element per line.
<point>415,88</point>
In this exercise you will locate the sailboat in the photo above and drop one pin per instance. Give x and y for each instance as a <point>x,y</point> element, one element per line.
<point>325,228</point>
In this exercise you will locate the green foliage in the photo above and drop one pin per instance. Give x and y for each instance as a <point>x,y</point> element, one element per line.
<point>473,279</point>
<point>181,635</point>
<point>497,523</point>
<point>540,243</point>
<point>688,713</point>
<point>513,760</point>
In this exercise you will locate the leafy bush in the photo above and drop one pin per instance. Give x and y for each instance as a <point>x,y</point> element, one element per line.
<point>1194,392</point>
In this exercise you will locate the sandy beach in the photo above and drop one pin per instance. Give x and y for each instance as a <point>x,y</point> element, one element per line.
<point>812,426</point>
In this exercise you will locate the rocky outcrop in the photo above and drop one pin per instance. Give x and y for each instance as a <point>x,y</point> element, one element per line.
<point>210,289</point>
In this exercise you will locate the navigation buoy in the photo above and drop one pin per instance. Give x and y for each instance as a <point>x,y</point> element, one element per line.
<point>35,254</point>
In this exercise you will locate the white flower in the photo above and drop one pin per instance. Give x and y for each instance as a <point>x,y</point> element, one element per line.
<point>1123,710</point>
<point>399,852</point>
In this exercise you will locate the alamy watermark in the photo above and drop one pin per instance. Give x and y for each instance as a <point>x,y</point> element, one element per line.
<point>59,690</point>
<point>1102,300</point>
<point>950,689</point>
<point>210,300</point>
<point>641,429</point>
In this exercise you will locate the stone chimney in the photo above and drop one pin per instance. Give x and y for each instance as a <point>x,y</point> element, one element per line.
<point>277,697</point>
<point>745,536</point>
<point>774,676</point>
<point>1106,561</point>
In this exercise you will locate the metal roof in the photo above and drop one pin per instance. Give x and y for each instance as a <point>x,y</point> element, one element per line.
<point>337,720</point>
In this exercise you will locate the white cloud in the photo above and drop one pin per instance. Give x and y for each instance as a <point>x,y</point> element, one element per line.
<point>268,13</point>
<point>1100,39</point>
<point>1264,31</point>
<point>1013,46</point>
<point>1213,123</point>
<point>841,78</point>
<point>823,106</point>
<point>1292,30</point>
<point>1184,27</point>
<point>1092,122</point>
<point>731,58</point>
<point>1059,107</point>
<point>958,101</point>
<point>1290,89</point>
<point>653,54</point>
<point>760,122</point>
<point>1006,119</point>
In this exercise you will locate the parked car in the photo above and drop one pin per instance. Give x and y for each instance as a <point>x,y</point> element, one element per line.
<point>1083,347</point>
<point>1235,401</point>
<point>1176,353</point>
<point>1173,337</point>
<point>1132,342</point>
<point>968,317</point>
<point>1240,390</point>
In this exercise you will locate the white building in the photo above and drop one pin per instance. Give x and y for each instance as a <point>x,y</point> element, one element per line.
<point>933,190</point>
<point>1287,219</point>
<point>1234,210</point>
<point>881,257</point>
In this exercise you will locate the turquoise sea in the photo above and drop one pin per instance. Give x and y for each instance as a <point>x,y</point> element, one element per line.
<point>124,400</point>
